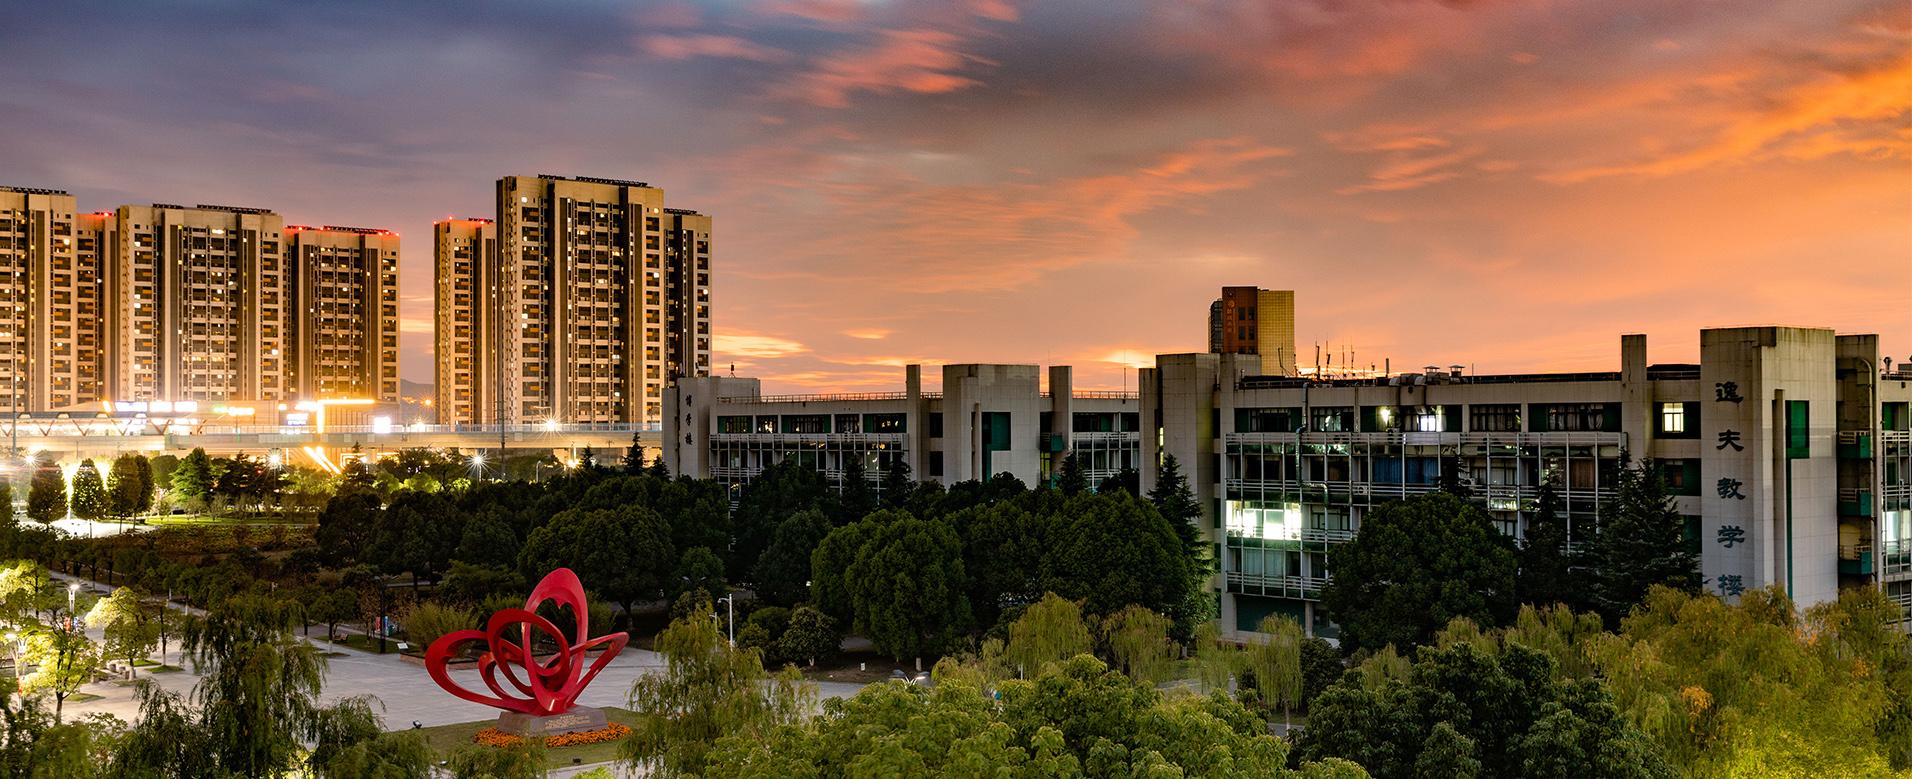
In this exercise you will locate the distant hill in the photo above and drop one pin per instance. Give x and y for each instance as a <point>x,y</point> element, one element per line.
<point>414,389</point>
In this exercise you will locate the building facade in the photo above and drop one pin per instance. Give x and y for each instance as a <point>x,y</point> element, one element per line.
<point>982,421</point>
<point>199,305</point>
<point>464,319</point>
<point>344,334</point>
<point>50,289</point>
<point>1786,447</point>
<point>1250,320</point>
<point>600,296</point>
<point>173,303</point>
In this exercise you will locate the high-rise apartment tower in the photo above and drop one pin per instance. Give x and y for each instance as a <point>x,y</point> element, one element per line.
<point>171,303</point>
<point>344,334</point>
<point>596,296</point>
<point>1249,320</point>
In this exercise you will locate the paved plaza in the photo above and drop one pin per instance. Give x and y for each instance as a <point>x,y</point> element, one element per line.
<point>404,692</point>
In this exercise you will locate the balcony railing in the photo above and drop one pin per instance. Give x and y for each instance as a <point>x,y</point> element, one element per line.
<point>896,439</point>
<point>1314,534</point>
<point>1411,438</point>
<point>1491,493</point>
<point>1100,395</point>
<point>832,397</point>
<point>1078,439</point>
<point>1895,559</point>
<point>1304,587</point>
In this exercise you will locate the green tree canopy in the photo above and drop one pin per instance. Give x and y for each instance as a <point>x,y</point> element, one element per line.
<point>1468,712</point>
<point>62,660</point>
<point>779,492</point>
<point>699,569</point>
<point>623,554</point>
<point>907,585</point>
<point>487,540</point>
<point>1415,565</point>
<point>1759,689</point>
<point>346,525</point>
<point>1110,551</point>
<point>1076,719</point>
<point>811,636</point>
<point>129,624</point>
<point>783,571</point>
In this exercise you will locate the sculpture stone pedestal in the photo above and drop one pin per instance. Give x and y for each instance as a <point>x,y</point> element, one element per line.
<point>534,726</point>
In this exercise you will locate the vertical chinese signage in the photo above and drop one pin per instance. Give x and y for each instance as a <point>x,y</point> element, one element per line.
<point>1730,447</point>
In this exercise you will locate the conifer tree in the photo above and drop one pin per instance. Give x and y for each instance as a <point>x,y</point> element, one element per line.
<point>634,457</point>
<point>193,478</point>
<point>1071,480</point>
<point>1641,542</point>
<point>46,496</point>
<point>1545,577</point>
<point>89,492</point>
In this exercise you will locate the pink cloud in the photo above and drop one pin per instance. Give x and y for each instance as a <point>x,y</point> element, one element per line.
<point>680,47</point>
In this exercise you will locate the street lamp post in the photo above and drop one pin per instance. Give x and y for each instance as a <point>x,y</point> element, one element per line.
<point>72,616</point>
<point>730,610</point>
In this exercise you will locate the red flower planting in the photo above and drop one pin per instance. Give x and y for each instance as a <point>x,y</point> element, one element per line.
<point>549,686</point>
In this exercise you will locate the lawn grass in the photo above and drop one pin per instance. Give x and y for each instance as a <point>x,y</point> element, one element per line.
<point>178,520</point>
<point>81,697</point>
<point>445,738</point>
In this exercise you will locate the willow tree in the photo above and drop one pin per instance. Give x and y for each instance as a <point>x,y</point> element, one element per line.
<point>707,689</point>
<point>1276,663</point>
<point>1049,631</point>
<point>1138,641</point>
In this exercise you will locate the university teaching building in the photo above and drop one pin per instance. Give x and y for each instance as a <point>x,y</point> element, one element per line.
<point>1788,450</point>
<point>577,303</point>
<point>169,303</point>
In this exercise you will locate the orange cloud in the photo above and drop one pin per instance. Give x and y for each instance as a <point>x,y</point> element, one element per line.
<point>896,229</point>
<point>922,61</point>
<point>1860,113</point>
<point>749,345</point>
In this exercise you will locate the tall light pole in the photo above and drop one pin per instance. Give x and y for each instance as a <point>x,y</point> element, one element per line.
<point>730,610</point>
<point>73,617</point>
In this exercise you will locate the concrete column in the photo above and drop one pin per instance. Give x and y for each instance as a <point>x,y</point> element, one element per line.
<point>1061,410</point>
<point>1636,411</point>
<point>915,453</point>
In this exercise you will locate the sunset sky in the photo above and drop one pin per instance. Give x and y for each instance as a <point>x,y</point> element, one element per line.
<point>1507,184</point>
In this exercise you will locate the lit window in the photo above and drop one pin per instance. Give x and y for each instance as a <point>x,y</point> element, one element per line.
<point>1672,417</point>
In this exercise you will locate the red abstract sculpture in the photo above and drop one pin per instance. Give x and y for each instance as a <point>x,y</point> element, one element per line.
<point>553,685</point>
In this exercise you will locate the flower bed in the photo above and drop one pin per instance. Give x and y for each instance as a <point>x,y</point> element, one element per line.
<point>498,738</point>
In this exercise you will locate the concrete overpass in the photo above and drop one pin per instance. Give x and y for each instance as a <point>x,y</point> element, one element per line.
<point>82,436</point>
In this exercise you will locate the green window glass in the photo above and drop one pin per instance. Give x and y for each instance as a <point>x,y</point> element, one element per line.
<point>1798,430</point>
